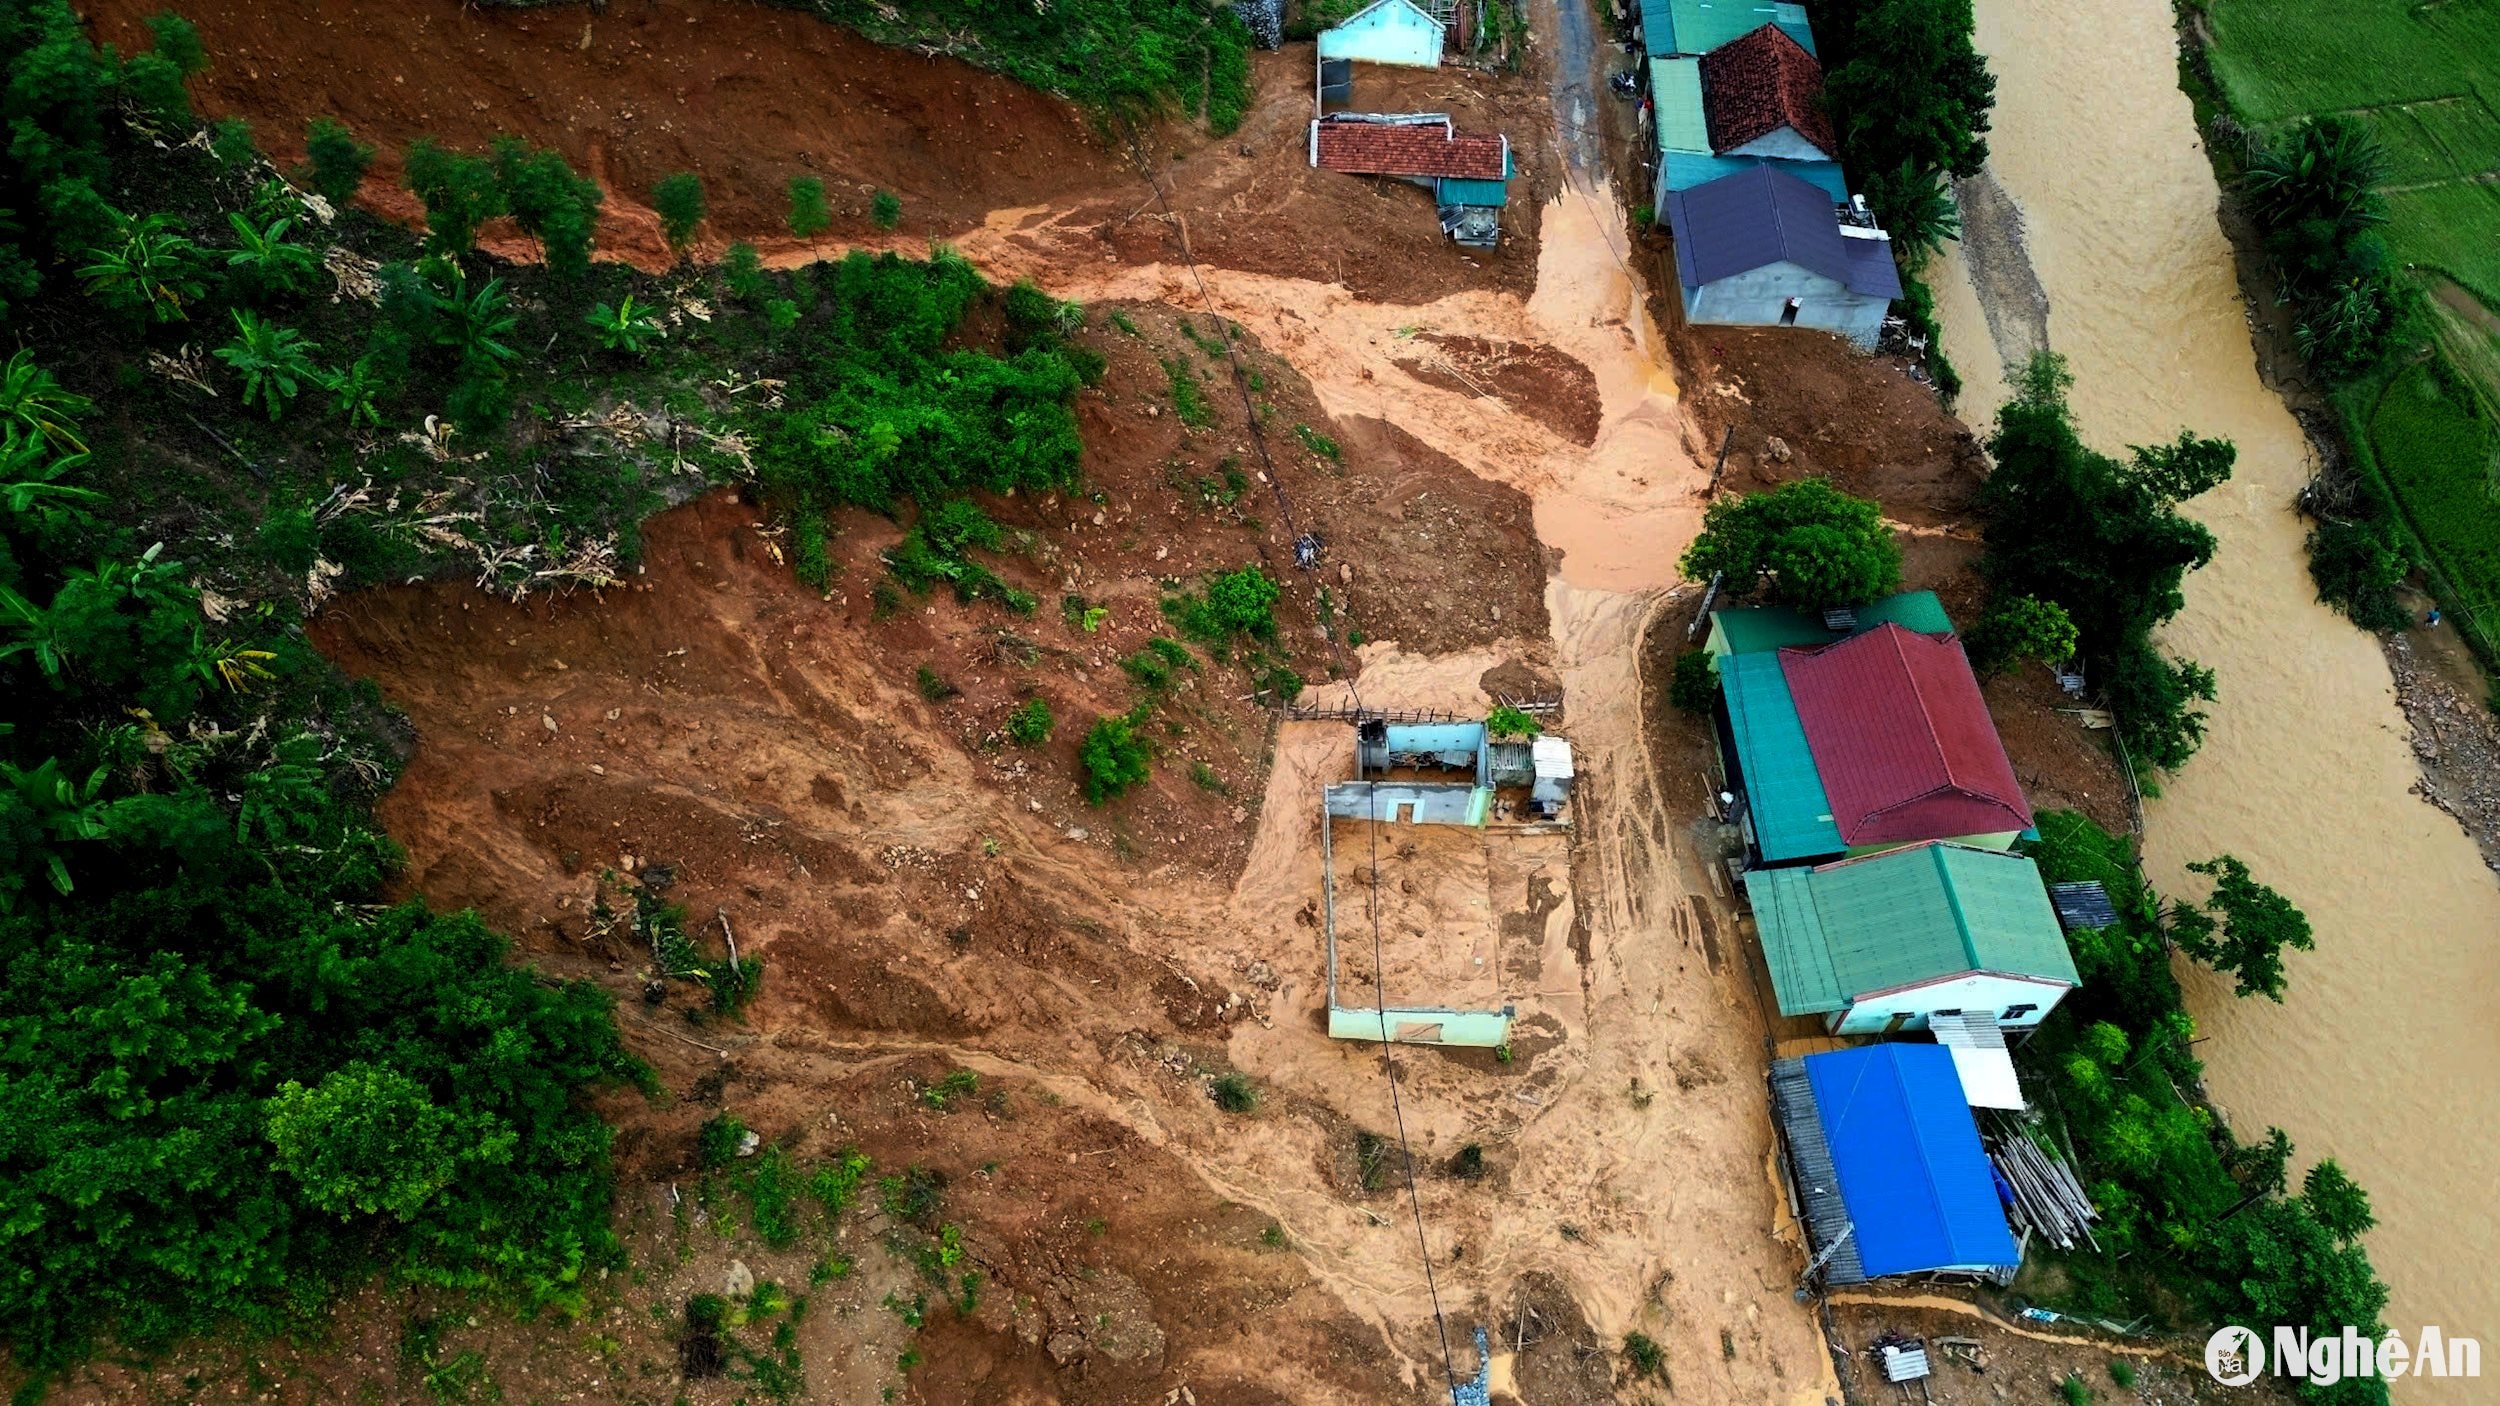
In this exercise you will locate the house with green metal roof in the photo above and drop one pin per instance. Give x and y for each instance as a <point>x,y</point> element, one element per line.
<point>1764,628</point>
<point>1852,736</point>
<point>1695,27</point>
<point>1882,943</point>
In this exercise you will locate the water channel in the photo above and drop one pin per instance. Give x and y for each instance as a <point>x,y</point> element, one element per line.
<point>2386,1051</point>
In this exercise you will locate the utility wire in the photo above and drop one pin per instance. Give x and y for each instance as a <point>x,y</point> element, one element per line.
<point>1380,993</point>
<point>1397,1106</point>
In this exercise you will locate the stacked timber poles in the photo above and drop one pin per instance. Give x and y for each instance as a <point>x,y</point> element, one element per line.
<point>2047,1197</point>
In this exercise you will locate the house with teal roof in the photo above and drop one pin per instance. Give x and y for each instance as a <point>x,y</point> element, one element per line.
<point>1680,137</point>
<point>1883,943</point>
<point>1857,732</point>
<point>1695,27</point>
<point>1757,629</point>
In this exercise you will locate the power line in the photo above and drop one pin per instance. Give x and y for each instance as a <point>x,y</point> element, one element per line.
<point>1380,993</point>
<point>1397,1106</point>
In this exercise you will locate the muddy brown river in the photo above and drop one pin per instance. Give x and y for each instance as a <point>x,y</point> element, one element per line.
<point>2386,1051</point>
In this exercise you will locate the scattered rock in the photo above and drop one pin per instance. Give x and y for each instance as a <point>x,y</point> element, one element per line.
<point>739,1281</point>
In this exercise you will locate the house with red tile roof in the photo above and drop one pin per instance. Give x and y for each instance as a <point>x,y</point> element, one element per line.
<point>1762,96</point>
<point>1468,172</point>
<point>1416,146</point>
<point>1875,740</point>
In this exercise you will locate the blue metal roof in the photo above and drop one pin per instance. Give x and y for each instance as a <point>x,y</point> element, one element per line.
<point>1792,816</point>
<point>1687,169</point>
<point>1739,223</point>
<point>1916,1183</point>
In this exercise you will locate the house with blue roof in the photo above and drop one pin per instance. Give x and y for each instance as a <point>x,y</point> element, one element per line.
<point>1888,1166</point>
<point>1764,248</point>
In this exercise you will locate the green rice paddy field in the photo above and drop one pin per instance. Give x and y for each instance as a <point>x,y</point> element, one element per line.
<point>2426,78</point>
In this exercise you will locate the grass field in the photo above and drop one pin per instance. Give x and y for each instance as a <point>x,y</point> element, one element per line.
<point>2437,447</point>
<point>2425,77</point>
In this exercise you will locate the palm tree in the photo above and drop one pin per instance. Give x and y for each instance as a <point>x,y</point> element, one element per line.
<point>274,361</point>
<point>1918,211</point>
<point>2327,169</point>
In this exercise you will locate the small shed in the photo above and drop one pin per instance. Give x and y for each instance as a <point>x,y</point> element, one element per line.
<point>1893,941</point>
<point>1888,1166</point>
<point>1386,31</point>
<point>1763,248</point>
<point>1471,209</point>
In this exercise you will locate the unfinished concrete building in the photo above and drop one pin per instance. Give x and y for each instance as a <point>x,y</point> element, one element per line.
<point>1435,852</point>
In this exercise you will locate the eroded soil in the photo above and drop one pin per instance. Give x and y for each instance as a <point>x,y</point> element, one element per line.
<point>748,96</point>
<point>1503,467</point>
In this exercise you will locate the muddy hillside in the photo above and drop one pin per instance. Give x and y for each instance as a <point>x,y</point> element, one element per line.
<point>750,96</point>
<point>1033,1100</point>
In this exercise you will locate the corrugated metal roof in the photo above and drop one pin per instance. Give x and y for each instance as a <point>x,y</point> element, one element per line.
<point>1784,797</point>
<point>1903,918</point>
<point>1763,216</point>
<point>1454,191</point>
<point>1980,1060</point>
<point>1817,1183</point>
<point>1918,1188</point>
<point>1675,92</point>
<point>1752,631</point>
<point>1902,738</point>
<point>1698,26</point>
<point>1687,169</point>
<point>1794,945</point>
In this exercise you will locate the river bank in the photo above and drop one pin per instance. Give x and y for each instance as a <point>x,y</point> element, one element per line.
<point>2309,769</point>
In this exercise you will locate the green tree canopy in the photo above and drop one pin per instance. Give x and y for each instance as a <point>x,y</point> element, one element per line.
<point>364,1139</point>
<point>678,201</point>
<point>2241,929</point>
<point>1913,90</point>
<point>2019,628</point>
<point>1809,544</point>
<point>1112,759</point>
<point>809,216</point>
<point>335,162</point>
<point>460,194</point>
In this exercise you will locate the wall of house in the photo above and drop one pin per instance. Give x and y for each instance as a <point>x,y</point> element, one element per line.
<point>1410,802</point>
<point>1422,1026</point>
<point>2002,840</point>
<point>1971,991</point>
<point>1390,34</point>
<point>1756,298</point>
<point>1781,145</point>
